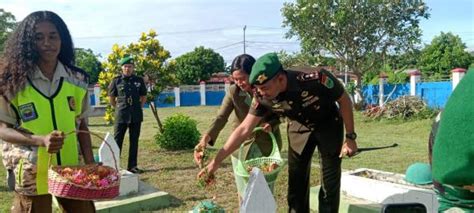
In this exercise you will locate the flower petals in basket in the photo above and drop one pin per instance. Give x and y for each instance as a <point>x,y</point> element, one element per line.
<point>90,182</point>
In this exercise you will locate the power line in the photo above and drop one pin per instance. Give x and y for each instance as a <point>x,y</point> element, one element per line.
<point>159,34</point>
<point>229,45</point>
<point>173,32</point>
<point>274,42</point>
<point>265,27</point>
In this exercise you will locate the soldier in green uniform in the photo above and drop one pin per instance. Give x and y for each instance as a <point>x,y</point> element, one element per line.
<point>238,100</point>
<point>452,150</point>
<point>127,93</point>
<point>318,109</point>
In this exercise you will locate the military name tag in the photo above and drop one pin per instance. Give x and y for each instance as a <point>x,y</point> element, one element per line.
<point>277,108</point>
<point>312,100</point>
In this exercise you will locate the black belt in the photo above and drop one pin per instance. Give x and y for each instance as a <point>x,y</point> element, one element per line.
<point>128,100</point>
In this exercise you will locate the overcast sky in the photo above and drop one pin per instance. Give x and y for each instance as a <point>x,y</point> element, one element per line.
<point>184,24</point>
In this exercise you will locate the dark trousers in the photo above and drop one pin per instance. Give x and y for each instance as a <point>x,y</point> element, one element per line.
<point>134,133</point>
<point>329,142</point>
<point>10,179</point>
<point>43,203</point>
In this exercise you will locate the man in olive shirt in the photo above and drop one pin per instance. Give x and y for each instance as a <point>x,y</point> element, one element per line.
<point>127,93</point>
<point>317,108</point>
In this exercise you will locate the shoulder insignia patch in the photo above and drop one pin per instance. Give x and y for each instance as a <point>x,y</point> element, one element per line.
<point>71,103</point>
<point>327,81</point>
<point>308,76</point>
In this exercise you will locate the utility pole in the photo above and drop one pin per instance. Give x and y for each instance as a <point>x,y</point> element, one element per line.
<point>345,73</point>
<point>245,27</point>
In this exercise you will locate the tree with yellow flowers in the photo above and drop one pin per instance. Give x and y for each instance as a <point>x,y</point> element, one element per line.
<point>150,62</point>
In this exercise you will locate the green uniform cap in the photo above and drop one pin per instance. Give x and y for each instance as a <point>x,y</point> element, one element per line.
<point>419,173</point>
<point>264,69</point>
<point>126,60</point>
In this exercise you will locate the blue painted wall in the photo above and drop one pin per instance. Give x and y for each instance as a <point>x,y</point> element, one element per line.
<point>190,98</point>
<point>371,92</point>
<point>160,101</point>
<point>435,94</point>
<point>214,98</point>
<point>91,99</point>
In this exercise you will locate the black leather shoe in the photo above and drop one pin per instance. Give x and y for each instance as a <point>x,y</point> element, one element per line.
<point>136,170</point>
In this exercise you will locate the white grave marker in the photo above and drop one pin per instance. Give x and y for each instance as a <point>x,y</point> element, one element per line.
<point>128,180</point>
<point>107,154</point>
<point>258,197</point>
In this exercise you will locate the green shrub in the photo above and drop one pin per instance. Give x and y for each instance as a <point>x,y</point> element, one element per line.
<point>179,132</point>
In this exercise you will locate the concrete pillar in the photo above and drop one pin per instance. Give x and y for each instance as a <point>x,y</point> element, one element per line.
<point>356,95</point>
<point>382,80</point>
<point>415,76</point>
<point>202,91</point>
<point>458,74</point>
<point>97,94</point>
<point>177,101</point>
<point>226,85</point>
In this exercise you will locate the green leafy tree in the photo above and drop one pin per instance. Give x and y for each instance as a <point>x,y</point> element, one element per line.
<point>303,59</point>
<point>7,25</point>
<point>150,61</point>
<point>446,52</point>
<point>393,76</point>
<point>198,65</point>
<point>407,60</point>
<point>354,31</point>
<point>87,60</point>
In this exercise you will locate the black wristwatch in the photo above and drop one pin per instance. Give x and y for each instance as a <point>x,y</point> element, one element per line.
<point>351,135</point>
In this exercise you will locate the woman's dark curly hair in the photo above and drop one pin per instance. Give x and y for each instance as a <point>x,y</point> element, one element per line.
<point>20,54</point>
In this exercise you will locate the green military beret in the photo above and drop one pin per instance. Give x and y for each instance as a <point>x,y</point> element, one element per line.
<point>126,60</point>
<point>264,69</point>
<point>453,149</point>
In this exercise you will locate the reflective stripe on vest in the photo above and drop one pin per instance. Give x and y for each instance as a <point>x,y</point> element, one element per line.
<point>41,115</point>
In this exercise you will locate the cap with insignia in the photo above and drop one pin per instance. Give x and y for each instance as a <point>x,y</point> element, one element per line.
<point>264,69</point>
<point>126,60</point>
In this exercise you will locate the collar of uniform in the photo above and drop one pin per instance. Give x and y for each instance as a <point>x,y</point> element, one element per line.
<point>242,92</point>
<point>127,77</point>
<point>292,86</point>
<point>59,72</point>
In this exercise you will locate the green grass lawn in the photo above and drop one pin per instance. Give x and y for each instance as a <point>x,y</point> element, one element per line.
<point>175,172</point>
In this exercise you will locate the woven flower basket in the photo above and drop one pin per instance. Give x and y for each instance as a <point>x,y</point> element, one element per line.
<point>60,186</point>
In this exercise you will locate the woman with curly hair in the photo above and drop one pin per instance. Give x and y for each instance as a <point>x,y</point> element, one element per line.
<point>39,88</point>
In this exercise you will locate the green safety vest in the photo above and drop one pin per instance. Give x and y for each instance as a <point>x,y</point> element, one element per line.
<point>41,115</point>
